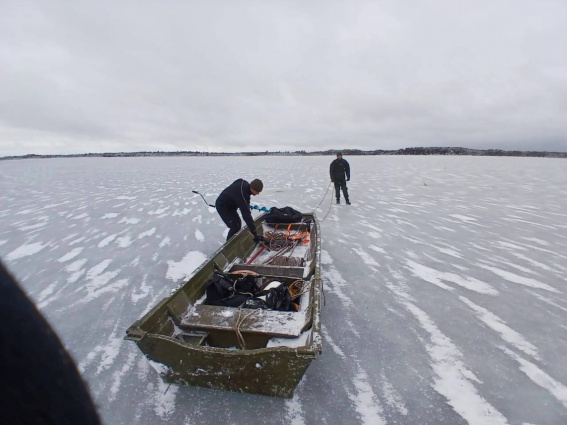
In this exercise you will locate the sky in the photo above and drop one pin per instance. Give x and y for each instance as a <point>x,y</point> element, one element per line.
<point>227,76</point>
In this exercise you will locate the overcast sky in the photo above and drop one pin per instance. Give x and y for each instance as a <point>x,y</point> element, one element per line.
<point>97,76</point>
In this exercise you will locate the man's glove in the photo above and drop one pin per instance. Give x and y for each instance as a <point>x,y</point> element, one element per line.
<point>348,179</point>
<point>258,238</point>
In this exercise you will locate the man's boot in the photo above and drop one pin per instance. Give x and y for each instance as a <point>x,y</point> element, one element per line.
<point>338,201</point>
<point>347,202</point>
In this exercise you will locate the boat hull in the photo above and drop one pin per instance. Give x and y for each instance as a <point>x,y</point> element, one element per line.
<point>185,353</point>
<point>272,371</point>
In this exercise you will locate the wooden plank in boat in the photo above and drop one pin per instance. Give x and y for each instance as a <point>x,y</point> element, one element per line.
<point>286,324</point>
<point>271,270</point>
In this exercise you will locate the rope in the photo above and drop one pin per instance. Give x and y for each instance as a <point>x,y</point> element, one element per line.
<point>330,205</point>
<point>297,286</point>
<point>239,323</point>
<point>322,199</point>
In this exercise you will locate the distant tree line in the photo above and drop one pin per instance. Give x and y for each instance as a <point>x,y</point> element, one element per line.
<point>347,152</point>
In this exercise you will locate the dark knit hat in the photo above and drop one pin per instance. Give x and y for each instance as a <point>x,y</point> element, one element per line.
<point>257,185</point>
<point>339,154</point>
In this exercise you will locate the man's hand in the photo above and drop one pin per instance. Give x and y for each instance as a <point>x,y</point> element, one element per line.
<point>258,238</point>
<point>348,179</point>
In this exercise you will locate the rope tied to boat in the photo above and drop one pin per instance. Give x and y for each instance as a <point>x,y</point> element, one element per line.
<point>323,198</point>
<point>239,321</point>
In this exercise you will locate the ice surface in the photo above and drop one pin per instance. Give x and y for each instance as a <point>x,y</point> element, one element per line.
<point>445,302</point>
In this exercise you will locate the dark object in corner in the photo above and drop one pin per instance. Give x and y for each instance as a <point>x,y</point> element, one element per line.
<point>40,382</point>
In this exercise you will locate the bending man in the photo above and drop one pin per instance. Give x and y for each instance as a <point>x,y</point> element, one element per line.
<point>237,197</point>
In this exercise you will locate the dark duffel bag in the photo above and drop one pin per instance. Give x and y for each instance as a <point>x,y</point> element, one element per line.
<point>220,292</point>
<point>283,215</point>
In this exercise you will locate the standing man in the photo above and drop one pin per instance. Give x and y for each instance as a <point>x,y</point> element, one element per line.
<point>237,197</point>
<point>339,169</point>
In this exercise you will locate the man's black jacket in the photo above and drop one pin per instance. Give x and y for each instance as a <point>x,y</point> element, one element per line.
<point>338,169</point>
<point>237,196</point>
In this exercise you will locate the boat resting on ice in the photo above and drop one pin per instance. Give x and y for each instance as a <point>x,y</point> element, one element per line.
<point>257,351</point>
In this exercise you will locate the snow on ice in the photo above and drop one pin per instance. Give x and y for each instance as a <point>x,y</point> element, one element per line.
<point>445,282</point>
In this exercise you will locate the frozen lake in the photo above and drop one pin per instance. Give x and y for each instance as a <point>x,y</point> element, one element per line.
<point>445,282</point>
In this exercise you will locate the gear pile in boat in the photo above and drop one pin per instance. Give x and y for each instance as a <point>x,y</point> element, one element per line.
<point>249,290</point>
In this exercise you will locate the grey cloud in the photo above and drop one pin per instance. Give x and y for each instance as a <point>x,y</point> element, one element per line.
<point>128,76</point>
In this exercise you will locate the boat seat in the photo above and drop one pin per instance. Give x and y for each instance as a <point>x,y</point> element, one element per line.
<point>284,324</point>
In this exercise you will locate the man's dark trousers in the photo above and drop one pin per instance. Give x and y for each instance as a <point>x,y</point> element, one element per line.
<point>341,184</point>
<point>231,219</point>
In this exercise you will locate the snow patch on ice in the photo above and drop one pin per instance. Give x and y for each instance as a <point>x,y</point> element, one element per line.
<point>294,408</point>
<point>393,398</point>
<point>366,258</point>
<point>555,388</point>
<point>127,220</point>
<point>498,325</point>
<point>110,351</point>
<point>119,374</point>
<point>124,241</point>
<point>147,233</point>
<point>75,266</point>
<point>100,286</point>
<point>546,300</point>
<point>165,241</point>
<point>464,218</point>
<point>76,241</point>
<point>25,250</point>
<point>143,293</point>
<point>532,262</point>
<point>182,269</point>
<point>450,252</point>
<point>326,257</point>
<point>199,235</point>
<point>98,269</point>
<point>106,241</point>
<point>70,255</point>
<point>330,341</point>
<point>46,292</point>
<point>159,211</point>
<point>451,372</point>
<point>75,276</point>
<point>538,241</point>
<point>377,249</point>
<point>526,281</point>
<point>32,227</point>
<point>336,282</point>
<point>365,401</point>
<point>165,395</point>
<point>510,246</point>
<point>435,277</point>
<point>109,215</point>
<point>143,368</point>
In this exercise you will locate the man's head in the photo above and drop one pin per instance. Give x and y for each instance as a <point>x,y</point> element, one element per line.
<point>339,155</point>
<point>256,186</point>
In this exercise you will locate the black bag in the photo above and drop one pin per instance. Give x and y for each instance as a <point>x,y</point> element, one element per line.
<point>277,298</point>
<point>220,291</point>
<point>248,285</point>
<point>283,215</point>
